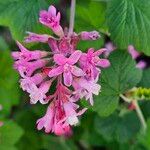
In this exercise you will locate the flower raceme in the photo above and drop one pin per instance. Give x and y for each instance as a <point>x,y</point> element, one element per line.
<point>74,73</point>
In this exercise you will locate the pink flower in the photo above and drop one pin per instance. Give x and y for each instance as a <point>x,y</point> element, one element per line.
<point>141,64</point>
<point>27,55</point>
<point>110,47</point>
<point>92,58</point>
<point>47,121</point>
<point>52,20</point>
<point>85,88</point>
<point>27,68</point>
<point>67,67</point>
<point>93,35</point>
<point>30,83</point>
<point>75,73</point>
<point>90,61</point>
<point>71,114</point>
<point>39,94</point>
<point>133,52</point>
<point>33,37</point>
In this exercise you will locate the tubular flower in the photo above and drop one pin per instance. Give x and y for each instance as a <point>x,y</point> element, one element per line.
<point>74,73</point>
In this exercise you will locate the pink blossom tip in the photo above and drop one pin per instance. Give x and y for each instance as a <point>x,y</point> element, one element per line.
<point>93,35</point>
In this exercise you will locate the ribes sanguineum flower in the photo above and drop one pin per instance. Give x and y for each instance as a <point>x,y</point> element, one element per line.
<point>51,19</point>
<point>74,73</point>
<point>67,67</point>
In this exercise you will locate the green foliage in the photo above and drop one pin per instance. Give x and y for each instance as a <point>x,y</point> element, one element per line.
<point>10,133</point>
<point>119,128</point>
<point>91,17</point>
<point>84,45</point>
<point>145,139</point>
<point>129,23</point>
<point>57,143</point>
<point>22,15</point>
<point>85,12</point>
<point>8,83</point>
<point>118,78</point>
<point>145,81</point>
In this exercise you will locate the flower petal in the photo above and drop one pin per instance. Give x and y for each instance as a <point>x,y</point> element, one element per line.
<point>60,59</point>
<point>56,71</point>
<point>52,10</point>
<point>141,64</point>
<point>74,57</point>
<point>77,71</point>
<point>67,78</point>
<point>103,63</point>
<point>53,44</point>
<point>82,111</point>
<point>100,51</point>
<point>33,37</point>
<point>21,47</point>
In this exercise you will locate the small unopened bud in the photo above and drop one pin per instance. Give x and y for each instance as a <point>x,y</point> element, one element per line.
<point>93,35</point>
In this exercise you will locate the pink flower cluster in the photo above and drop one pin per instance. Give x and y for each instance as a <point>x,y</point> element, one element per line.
<point>74,73</point>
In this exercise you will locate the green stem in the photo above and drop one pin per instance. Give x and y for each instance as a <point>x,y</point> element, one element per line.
<point>72,16</point>
<point>138,111</point>
<point>140,115</point>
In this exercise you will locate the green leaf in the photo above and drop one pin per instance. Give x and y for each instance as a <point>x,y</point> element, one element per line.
<point>10,133</point>
<point>145,139</point>
<point>121,76</point>
<point>22,16</point>
<point>57,143</point>
<point>145,105</point>
<point>84,45</point>
<point>26,118</point>
<point>86,133</point>
<point>9,88</point>
<point>129,23</point>
<point>3,44</point>
<point>90,16</point>
<point>145,81</point>
<point>7,147</point>
<point>119,128</point>
<point>30,138</point>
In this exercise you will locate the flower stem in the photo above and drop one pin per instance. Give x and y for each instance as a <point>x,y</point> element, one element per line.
<point>72,16</point>
<point>138,111</point>
<point>140,115</point>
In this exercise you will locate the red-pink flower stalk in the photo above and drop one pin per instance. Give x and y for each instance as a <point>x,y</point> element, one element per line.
<point>74,73</point>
